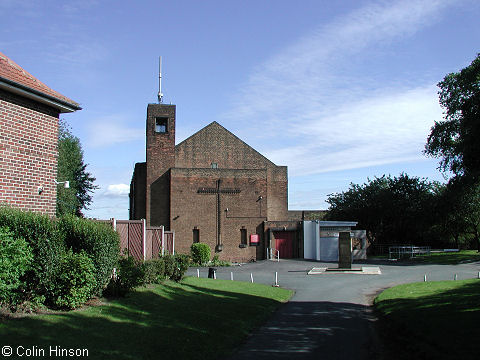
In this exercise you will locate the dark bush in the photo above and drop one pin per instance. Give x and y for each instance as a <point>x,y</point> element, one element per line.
<point>99,241</point>
<point>15,260</point>
<point>129,274</point>
<point>169,261</point>
<point>182,263</point>
<point>76,281</point>
<point>200,253</point>
<point>41,234</point>
<point>154,271</point>
<point>217,262</point>
<point>176,266</point>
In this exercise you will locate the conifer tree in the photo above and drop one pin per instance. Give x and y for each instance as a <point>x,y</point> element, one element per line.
<point>71,168</point>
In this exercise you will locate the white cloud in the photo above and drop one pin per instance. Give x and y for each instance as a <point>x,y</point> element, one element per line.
<point>320,114</point>
<point>380,130</point>
<point>117,190</point>
<point>111,130</point>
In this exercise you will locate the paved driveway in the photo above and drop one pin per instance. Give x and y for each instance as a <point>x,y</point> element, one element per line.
<point>329,317</point>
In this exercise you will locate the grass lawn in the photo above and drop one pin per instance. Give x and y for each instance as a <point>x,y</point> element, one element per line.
<point>196,319</point>
<point>449,258</point>
<point>430,320</point>
<point>443,258</point>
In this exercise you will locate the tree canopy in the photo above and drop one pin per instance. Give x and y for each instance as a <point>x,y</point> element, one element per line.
<point>410,210</point>
<point>459,210</point>
<point>71,168</point>
<point>398,210</point>
<point>455,139</point>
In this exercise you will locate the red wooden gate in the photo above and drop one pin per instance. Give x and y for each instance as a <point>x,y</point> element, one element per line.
<point>284,242</point>
<point>169,245</point>
<point>131,237</point>
<point>141,242</point>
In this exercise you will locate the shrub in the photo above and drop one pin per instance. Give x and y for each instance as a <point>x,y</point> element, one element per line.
<point>15,259</point>
<point>200,253</point>
<point>99,241</point>
<point>217,262</point>
<point>176,266</point>
<point>154,271</point>
<point>76,281</point>
<point>169,262</point>
<point>129,274</point>
<point>182,262</point>
<point>47,247</point>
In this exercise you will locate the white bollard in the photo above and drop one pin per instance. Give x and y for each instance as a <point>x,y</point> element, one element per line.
<point>231,276</point>
<point>251,277</point>
<point>479,274</point>
<point>455,277</point>
<point>276,280</point>
<point>214,275</point>
<point>425,278</point>
<point>198,273</point>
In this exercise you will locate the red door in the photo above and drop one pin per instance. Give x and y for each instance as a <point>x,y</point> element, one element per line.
<point>284,241</point>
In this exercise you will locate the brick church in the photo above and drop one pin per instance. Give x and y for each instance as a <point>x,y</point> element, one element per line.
<point>212,188</point>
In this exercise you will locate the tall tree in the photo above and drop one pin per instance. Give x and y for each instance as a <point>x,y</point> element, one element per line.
<point>461,199</point>
<point>398,210</point>
<point>455,139</point>
<point>71,168</point>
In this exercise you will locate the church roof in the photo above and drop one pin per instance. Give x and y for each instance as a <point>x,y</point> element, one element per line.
<point>15,79</point>
<point>215,139</point>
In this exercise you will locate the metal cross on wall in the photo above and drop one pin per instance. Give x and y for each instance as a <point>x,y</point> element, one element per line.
<point>218,191</point>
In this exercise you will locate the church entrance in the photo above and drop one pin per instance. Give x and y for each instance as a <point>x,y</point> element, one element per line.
<point>284,243</point>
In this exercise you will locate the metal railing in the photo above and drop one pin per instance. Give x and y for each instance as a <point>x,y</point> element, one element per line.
<point>408,251</point>
<point>273,254</point>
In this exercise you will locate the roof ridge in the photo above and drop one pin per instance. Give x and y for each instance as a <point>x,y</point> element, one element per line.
<point>13,72</point>
<point>229,132</point>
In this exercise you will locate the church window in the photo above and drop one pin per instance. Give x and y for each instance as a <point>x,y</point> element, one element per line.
<point>161,125</point>
<point>214,165</point>
<point>196,236</point>
<point>243,237</point>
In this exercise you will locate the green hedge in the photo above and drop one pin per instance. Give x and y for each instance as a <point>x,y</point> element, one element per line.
<point>200,253</point>
<point>76,281</point>
<point>99,241</point>
<point>154,271</point>
<point>15,260</point>
<point>129,274</point>
<point>55,275</point>
<point>176,266</point>
<point>41,234</point>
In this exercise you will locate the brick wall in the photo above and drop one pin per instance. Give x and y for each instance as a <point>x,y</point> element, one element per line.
<point>193,210</point>
<point>138,192</point>
<point>28,153</point>
<point>215,144</point>
<point>277,193</point>
<point>160,156</point>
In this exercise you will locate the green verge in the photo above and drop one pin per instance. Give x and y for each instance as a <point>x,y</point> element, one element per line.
<point>194,319</point>
<point>430,320</point>
<point>449,258</point>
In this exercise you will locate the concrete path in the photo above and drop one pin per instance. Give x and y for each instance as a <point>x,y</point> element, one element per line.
<point>329,317</point>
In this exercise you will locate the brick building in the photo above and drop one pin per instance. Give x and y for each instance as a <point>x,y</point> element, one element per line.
<point>211,188</point>
<point>29,112</point>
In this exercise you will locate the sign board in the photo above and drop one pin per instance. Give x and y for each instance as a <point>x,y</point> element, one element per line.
<point>254,240</point>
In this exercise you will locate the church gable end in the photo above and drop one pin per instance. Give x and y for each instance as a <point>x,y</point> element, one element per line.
<point>214,146</point>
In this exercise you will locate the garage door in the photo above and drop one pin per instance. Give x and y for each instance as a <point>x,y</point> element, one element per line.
<point>284,242</point>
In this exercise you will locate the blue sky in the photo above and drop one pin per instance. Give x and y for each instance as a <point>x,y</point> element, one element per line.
<point>336,90</point>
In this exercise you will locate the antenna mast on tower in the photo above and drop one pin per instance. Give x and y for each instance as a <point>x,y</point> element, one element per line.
<point>160,95</point>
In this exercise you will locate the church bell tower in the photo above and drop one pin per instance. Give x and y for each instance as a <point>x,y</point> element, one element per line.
<point>160,157</point>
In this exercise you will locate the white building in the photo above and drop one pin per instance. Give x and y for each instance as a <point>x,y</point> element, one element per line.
<point>320,240</point>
